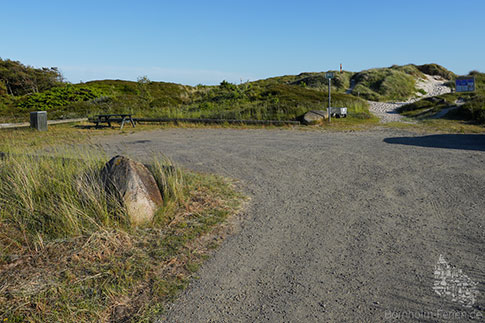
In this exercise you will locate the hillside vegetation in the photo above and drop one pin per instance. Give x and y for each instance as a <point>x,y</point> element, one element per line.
<point>384,85</point>
<point>277,98</point>
<point>281,98</point>
<point>394,83</point>
<point>473,108</point>
<point>377,84</point>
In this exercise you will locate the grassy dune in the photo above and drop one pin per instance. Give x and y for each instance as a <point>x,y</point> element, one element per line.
<point>472,111</point>
<point>394,83</point>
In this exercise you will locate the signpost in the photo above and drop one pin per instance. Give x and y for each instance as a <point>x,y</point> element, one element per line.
<point>329,76</point>
<point>465,84</point>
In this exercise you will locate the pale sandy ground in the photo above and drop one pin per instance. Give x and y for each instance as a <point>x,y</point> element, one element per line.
<point>386,111</point>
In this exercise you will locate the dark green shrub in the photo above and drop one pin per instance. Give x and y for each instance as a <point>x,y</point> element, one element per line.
<point>3,89</point>
<point>476,108</point>
<point>384,84</point>
<point>435,69</point>
<point>58,97</point>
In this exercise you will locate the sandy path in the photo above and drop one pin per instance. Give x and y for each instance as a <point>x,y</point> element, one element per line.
<point>341,227</point>
<point>386,111</point>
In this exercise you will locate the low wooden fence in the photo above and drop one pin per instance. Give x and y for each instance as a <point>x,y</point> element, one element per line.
<point>210,121</point>
<point>49,122</point>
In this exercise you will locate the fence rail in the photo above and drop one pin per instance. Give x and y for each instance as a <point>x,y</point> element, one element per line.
<point>49,122</point>
<point>216,121</point>
<point>164,120</point>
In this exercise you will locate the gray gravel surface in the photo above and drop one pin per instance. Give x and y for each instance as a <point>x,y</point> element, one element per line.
<point>341,226</point>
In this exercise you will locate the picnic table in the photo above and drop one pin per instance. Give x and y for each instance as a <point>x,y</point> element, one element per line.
<point>108,118</point>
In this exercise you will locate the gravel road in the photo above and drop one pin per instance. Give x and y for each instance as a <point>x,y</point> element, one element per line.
<point>341,226</point>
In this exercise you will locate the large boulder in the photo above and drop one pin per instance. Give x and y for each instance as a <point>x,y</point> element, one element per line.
<point>135,187</point>
<point>314,116</point>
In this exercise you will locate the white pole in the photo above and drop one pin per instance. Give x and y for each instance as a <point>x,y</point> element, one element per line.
<point>329,110</point>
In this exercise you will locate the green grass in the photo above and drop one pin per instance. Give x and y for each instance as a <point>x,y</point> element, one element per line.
<point>384,84</point>
<point>427,107</point>
<point>436,70</point>
<point>66,256</point>
<point>409,69</point>
<point>396,83</point>
<point>438,126</point>
<point>27,139</point>
<point>318,81</point>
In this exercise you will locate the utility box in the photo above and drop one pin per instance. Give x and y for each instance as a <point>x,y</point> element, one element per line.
<point>38,120</point>
<point>338,112</point>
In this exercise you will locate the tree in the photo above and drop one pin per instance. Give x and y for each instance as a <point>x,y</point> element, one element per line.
<point>3,89</point>
<point>19,79</point>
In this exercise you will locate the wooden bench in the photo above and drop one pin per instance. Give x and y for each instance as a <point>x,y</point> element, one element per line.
<point>108,118</point>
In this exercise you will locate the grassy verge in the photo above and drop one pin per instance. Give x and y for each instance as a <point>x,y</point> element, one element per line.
<point>468,118</point>
<point>344,124</point>
<point>66,256</point>
<point>438,126</point>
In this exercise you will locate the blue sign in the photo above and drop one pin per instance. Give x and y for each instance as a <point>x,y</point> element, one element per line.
<point>465,84</point>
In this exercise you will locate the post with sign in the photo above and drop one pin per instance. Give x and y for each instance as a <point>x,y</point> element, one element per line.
<point>465,84</point>
<point>329,76</point>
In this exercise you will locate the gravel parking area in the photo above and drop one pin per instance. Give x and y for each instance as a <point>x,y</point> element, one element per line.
<point>341,226</point>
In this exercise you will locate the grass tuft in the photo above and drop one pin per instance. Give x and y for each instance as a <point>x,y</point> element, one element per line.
<point>66,256</point>
<point>384,84</point>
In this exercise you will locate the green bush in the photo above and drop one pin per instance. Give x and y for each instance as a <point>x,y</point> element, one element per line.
<point>360,90</point>
<point>476,108</point>
<point>58,97</point>
<point>479,82</point>
<point>384,84</point>
<point>435,69</point>
<point>409,69</point>
<point>3,89</point>
<point>398,86</point>
<point>319,81</point>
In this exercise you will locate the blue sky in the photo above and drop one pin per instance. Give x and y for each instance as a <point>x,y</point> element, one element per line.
<point>194,42</point>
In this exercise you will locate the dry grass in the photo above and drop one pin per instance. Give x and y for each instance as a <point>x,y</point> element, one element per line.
<point>65,256</point>
<point>63,134</point>
<point>438,126</point>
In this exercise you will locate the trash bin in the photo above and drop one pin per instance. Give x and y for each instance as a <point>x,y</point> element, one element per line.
<point>38,120</point>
